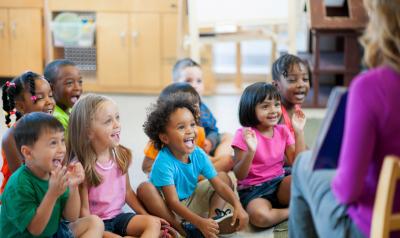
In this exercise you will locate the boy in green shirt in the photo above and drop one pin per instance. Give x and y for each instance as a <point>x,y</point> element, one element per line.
<point>44,192</point>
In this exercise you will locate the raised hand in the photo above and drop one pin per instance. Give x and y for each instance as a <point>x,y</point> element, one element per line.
<point>249,135</point>
<point>76,173</point>
<point>58,181</point>
<point>298,120</point>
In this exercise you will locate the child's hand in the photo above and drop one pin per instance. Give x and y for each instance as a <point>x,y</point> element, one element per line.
<point>208,227</point>
<point>240,214</point>
<point>58,181</point>
<point>207,146</point>
<point>249,135</point>
<point>76,174</point>
<point>298,120</point>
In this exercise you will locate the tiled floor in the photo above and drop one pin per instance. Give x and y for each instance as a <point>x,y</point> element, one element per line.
<point>133,114</point>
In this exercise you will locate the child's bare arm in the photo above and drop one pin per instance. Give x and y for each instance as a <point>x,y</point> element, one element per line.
<point>146,164</point>
<point>208,227</point>
<point>298,122</point>
<point>57,186</point>
<point>243,159</point>
<point>76,176</point>
<point>132,200</point>
<point>84,196</point>
<point>227,194</point>
<point>13,157</point>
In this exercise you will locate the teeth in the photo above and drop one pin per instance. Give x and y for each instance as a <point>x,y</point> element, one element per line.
<point>189,142</point>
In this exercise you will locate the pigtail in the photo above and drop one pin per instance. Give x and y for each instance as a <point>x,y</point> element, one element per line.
<point>30,76</point>
<point>6,105</point>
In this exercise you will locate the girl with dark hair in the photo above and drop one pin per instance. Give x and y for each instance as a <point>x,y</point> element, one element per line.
<point>260,148</point>
<point>26,93</point>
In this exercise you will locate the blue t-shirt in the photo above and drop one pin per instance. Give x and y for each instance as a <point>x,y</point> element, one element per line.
<point>168,170</point>
<point>208,121</point>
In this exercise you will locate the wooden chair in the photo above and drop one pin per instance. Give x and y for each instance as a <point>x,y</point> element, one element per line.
<point>383,220</point>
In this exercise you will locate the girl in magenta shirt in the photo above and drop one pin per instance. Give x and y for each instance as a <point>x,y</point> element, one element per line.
<point>260,148</point>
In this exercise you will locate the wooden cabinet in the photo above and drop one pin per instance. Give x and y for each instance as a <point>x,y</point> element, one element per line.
<point>135,43</point>
<point>21,41</point>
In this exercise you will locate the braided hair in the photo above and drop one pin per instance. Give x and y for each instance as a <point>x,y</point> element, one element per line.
<point>14,90</point>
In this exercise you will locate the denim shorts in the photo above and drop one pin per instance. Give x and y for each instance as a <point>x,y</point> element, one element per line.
<point>267,190</point>
<point>64,231</point>
<point>119,223</point>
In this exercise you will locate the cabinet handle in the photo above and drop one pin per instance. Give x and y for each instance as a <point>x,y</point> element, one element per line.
<point>173,5</point>
<point>2,28</point>
<point>135,35</point>
<point>13,28</point>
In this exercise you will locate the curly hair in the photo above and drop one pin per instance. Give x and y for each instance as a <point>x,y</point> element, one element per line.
<point>14,90</point>
<point>159,115</point>
<point>381,40</point>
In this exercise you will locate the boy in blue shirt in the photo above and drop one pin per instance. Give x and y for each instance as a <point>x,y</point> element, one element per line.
<point>171,125</point>
<point>43,192</point>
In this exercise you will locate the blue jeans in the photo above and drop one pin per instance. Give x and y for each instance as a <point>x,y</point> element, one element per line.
<point>64,231</point>
<point>314,210</point>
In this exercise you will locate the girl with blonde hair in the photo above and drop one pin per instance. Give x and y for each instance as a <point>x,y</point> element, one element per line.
<point>339,202</point>
<point>93,138</point>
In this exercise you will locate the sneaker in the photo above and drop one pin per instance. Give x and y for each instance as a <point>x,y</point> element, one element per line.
<point>191,230</point>
<point>224,220</point>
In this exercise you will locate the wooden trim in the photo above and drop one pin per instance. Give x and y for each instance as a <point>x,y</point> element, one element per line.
<point>22,3</point>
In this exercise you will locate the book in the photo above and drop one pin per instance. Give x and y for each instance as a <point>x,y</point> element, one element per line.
<point>326,150</point>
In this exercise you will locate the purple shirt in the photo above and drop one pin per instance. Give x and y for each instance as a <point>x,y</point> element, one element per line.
<point>372,131</point>
<point>269,156</point>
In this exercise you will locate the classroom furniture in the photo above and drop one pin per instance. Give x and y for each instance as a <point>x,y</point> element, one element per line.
<point>383,219</point>
<point>344,23</point>
<point>135,43</point>
<point>21,37</point>
<point>257,22</point>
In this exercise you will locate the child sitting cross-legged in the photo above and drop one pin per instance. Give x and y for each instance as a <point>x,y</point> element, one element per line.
<point>41,198</point>
<point>188,205</point>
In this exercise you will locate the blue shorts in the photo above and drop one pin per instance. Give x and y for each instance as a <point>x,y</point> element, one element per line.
<point>267,190</point>
<point>118,224</point>
<point>64,231</point>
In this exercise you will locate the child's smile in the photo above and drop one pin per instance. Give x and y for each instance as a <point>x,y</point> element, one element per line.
<point>269,112</point>
<point>180,133</point>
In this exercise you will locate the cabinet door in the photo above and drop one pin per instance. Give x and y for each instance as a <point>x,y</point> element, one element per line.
<point>145,50</point>
<point>5,54</point>
<point>113,49</point>
<point>26,40</point>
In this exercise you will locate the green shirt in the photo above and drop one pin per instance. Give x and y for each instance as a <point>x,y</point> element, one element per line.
<point>62,116</point>
<point>20,199</point>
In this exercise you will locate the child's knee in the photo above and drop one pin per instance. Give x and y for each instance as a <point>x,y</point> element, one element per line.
<point>95,222</point>
<point>152,223</point>
<point>258,217</point>
<point>225,178</point>
<point>146,188</point>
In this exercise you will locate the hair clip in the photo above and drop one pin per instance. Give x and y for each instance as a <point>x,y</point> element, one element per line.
<point>33,98</point>
<point>8,84</point>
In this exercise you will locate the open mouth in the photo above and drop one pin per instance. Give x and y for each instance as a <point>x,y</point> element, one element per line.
<point>189,142</point>
<point>300,95</point>
<point>57,162</point>
<point>116,135</point>
<point>49,110</point>
<point>74,99</point>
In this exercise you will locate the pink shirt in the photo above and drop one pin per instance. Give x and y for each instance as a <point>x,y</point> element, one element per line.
<point>107,199</point>
<point>269,157</point>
